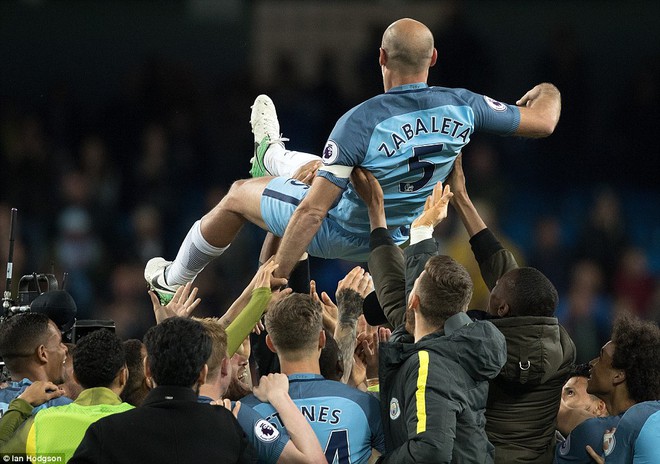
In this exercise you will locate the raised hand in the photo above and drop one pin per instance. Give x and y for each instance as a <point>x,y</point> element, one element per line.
<point>330,310</point>
<point>307,171</point>
<point>367,349</point>
<point>435,208</point>
<point>271,385</point>
<point>370,191</point>
<point>264,276</point>
<point>358,280</point>
<point>456,179</point>
<point>183,303</point>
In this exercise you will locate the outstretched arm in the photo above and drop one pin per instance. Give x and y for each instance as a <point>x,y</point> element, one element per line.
<point>494,260</point>
<point>539,111</point>
<point>386,262</point>
<point>394,277</point>
<point>461,200</point>
<point>244,317</point>
<point>351,291</point>
<point>304,224</point>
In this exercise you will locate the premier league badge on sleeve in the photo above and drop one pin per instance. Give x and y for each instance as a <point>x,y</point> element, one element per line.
<point>494,104</point>
<point>265,431</point>
<point>330,152</point>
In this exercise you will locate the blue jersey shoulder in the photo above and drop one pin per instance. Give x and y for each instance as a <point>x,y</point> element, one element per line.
<point>637,435</point>
<point>590,432</point>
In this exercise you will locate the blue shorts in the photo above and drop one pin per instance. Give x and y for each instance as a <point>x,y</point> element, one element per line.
<point>278,202</point>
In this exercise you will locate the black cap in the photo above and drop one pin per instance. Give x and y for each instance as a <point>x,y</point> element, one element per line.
<point>373,313</point>
<point>59,306</point>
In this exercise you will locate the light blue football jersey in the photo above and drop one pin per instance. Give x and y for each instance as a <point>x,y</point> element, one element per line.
<point>637,436</point>
<point>408,138</point>
<point>14,389</point>
<point>590,432</point>
<point>345,420</point>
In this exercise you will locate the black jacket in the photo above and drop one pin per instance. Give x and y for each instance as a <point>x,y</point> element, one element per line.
<point>434,393</point>
<point>524,399</point>
<point>170,427</point>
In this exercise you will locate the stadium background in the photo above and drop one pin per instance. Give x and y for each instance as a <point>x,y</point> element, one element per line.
<point>121,122</point>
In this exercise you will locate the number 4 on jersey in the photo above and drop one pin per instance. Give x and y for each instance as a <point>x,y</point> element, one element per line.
<point>336,450</point>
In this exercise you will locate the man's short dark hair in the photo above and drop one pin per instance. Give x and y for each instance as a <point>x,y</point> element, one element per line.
<point>20,335</point>
<point>444,289</point>
<point>97,359</point>
<point>580,370</point>
<point>530,293</point>
<point>637,352</point>
<point>177,350</point>
<point>294,323</point>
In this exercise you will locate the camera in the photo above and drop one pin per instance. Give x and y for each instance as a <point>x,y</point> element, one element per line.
<point>29,288</point>
<point>41,293</point>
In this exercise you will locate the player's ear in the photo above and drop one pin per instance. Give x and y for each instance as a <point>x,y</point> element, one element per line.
<point>123,376</point>
<point>503,310</point>
<point>601,409</point>
<point>145,365</point>
<point>321,339</point>
<point>42,354</point>
<point>269,343</point>
<point>382,57</point>
<point>434,58</point>
<point>413,301</point>
<point>201,380</point>
<point>619,377</point>
<point>224,367</point>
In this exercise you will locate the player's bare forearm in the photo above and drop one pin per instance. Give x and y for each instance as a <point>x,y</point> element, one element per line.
<point>468,214</point>
<point>461,200</point>
<point>302,227</point>
<point>540,109</point>
<point>306,447</point>
<point>304,223</point>
<point>370,191</point>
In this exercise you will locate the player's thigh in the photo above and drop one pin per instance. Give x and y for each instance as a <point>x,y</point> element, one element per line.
<point>244,200</point>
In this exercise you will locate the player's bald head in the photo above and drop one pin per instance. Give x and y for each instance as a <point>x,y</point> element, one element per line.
<point>409,46</point>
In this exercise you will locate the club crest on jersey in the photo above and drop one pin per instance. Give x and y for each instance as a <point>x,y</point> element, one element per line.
<point>265,431</point>
<point>330,152</point>
<point>609,442</point>
<point>494,104</point>
<point>395,410</point>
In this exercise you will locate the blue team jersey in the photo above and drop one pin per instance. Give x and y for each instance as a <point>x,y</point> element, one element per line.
<point>345,419</point>
<point>267,440</point>
<point>16,388</point>
<point>408,138</point>
<point>637,437</point>
<point>590,432</point>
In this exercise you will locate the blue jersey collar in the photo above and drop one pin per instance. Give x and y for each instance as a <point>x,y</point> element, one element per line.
<point>408,87</point>
<point>305,377</point>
